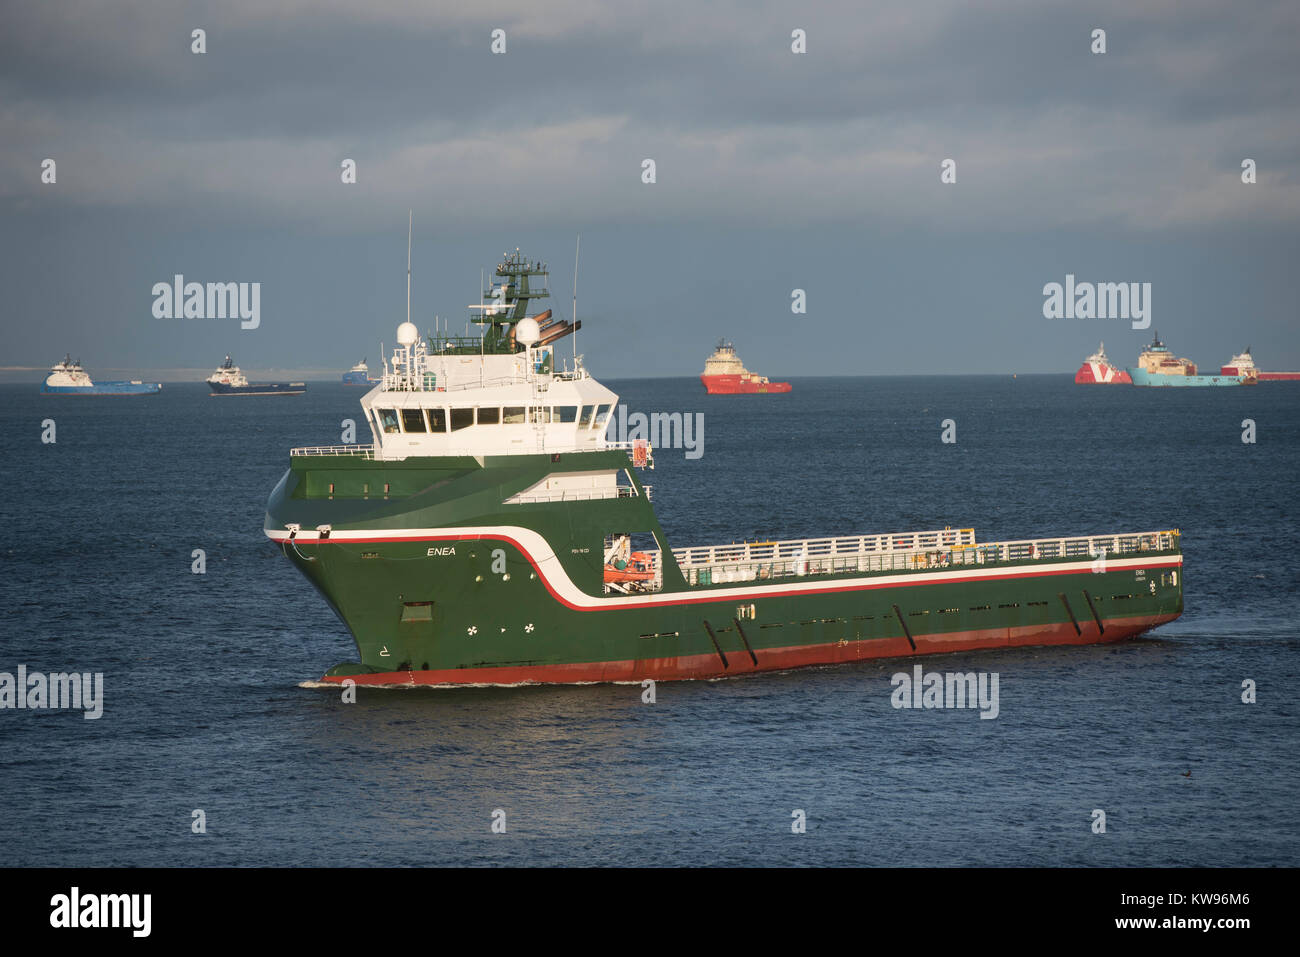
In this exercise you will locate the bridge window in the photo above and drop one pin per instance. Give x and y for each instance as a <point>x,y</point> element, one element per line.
<point>437,420</point>
<point>489,416</point>
<point>541,414</point>
<point>388,418</point>
<point>602,415</point>
<point>412,420</point>
<point>566,414</point>
<point>513,415</point>
<point>461,419</point>
<point>588,415</point>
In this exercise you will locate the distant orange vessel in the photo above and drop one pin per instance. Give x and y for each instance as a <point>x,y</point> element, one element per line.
<point>725,374</point>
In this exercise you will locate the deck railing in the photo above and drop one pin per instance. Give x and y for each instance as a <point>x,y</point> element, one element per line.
<point>428,381</point>
<point>578,494</point>
<point>364,451</point>
<point>400,382</point>
<point>853,545</point>
<point>876,553</point>
<point>529,448</point>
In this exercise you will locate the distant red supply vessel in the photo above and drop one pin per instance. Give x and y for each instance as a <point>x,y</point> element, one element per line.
<point>1243,364</point>
<point>725,374</point>
<point>1097,370</point>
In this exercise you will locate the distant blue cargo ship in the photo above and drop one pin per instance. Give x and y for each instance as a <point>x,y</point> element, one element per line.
<point>359,374</point>
<point>1142,377</point>
<point>1158,367</point>
<point>68,378</point>
<point>228,380</point>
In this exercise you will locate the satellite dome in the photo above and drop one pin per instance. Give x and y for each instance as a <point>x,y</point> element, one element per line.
<point>527,331</point>
<point>407,334</point>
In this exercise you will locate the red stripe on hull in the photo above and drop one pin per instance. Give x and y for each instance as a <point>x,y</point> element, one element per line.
<point>753,589</point>
<point>769,659</point>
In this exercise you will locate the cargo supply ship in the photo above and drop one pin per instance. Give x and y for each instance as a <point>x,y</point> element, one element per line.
<point>1157,366</point>
<point>1244,364</point>
<point>228,380</point>
<point>68,378</point>
<point>491,533</point>
<point>725,374</point>
<point>1097,370</point>
<point>359,374</point>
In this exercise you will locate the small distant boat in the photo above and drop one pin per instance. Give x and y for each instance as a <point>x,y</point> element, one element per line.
<point>1243,364</point>
<point>359,374</point>
<point>725,374</point>
<point>68,378</point>
<point>228,380</point>
<point>1157,366</point>
<point>1097,370</point>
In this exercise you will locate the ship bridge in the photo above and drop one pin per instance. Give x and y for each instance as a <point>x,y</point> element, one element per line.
<point>496,393</point>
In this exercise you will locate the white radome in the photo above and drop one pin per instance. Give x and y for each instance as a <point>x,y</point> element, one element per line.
<point>527,331</point>
<point>407,334</point>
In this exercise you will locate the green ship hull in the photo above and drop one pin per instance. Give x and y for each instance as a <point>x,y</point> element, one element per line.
<point>441,582</point>
<point>492,534</point>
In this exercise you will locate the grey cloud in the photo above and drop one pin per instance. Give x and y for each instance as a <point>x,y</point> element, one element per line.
<point>742,128</point>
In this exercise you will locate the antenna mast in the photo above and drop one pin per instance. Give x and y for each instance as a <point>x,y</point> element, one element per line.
<point>577,249</point>
<point>410,221</point>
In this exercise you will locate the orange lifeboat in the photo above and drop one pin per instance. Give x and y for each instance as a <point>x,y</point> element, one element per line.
<point>639,568</point>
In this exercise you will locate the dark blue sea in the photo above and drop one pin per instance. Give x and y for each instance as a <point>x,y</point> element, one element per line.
<point>208,702</point>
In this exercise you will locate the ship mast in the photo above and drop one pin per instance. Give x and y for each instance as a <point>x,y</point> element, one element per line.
<point>577,249</point>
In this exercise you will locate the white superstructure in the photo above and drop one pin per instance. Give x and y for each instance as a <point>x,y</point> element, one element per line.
<point>431,404</point>
<point>724,361</point>
<point>228,374</point>
<point>68,375</point>
<point>1243,363</point>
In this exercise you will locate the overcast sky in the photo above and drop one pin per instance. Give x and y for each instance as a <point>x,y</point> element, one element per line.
<point>774,170</point>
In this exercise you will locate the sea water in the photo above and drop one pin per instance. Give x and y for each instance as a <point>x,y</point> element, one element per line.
<point>210,701</point>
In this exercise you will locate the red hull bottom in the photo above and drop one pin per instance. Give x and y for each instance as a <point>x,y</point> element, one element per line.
<point>738,385</point>
<point>769,659</point>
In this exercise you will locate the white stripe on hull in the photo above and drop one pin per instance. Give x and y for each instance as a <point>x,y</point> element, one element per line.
<point>536,548</point>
